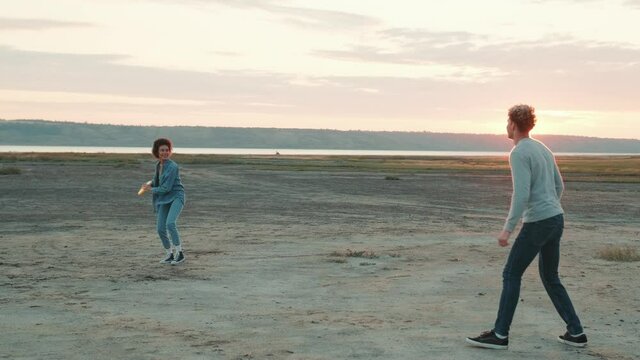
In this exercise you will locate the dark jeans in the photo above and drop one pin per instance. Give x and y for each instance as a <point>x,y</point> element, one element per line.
<point>543,238</point>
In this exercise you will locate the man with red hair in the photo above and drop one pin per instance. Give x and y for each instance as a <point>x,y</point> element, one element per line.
<point>537,188</point>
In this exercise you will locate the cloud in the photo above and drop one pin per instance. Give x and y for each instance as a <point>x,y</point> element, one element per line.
<point>556,55</point>
<point>225,53</point>
<point>411,46</point>
<point>31,70</point>
<point>37,24</point>
<point>558,70</point>
<point>230,91</point>
<point>566,1</point>
<point>65,97</point>
<point>633,3</point>
<point>297,16</point>
<point>431,37</point>
<point>255,95</point>
<point>308,17</point>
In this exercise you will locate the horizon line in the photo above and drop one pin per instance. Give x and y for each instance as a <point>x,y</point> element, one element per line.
<point>317,129</point>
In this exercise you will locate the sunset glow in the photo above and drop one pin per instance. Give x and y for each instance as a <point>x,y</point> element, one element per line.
<point>376,65</point>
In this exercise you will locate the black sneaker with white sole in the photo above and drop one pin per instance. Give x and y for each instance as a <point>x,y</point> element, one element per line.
<point>577,341</point>
<point>179,258</point>
<point>489,340</point>
<point>167,260</point>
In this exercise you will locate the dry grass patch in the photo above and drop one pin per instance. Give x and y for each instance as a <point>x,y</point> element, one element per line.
<point>366,254</point>
<point>619,253</point>
<point>619,169</point>
<point>10,170</point>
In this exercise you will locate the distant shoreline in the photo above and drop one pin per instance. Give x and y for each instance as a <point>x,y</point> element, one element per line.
<point>271,151</point>
<point>46,133</point>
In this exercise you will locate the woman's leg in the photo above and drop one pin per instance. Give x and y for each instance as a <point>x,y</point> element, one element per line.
<point>175,208</point>
<point>161,224</point>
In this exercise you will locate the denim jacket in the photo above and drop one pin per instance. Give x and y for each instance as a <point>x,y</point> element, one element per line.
<point>167,187</point>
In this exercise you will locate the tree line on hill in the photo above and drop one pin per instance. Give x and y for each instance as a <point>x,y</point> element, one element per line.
<point>55,133</point>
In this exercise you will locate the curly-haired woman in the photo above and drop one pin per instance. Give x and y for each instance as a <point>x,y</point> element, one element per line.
<point>168,200</point>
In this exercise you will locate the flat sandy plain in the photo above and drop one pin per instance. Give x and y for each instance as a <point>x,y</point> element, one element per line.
<point>268,272</point>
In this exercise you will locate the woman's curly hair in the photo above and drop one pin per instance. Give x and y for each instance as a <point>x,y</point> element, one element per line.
<point>158,143</point>
<point>524,116</point>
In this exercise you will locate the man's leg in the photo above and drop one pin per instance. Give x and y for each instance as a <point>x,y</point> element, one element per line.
<point>548,266</point>
<point>522,253</point>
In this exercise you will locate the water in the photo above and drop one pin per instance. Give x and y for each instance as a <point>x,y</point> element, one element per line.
<point>243,151</point>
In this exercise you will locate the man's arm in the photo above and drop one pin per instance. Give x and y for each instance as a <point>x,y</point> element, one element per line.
<point>557,178</point>
<point>521,176</point>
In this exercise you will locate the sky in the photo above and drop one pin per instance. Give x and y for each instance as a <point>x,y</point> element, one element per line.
<point>402,65</point>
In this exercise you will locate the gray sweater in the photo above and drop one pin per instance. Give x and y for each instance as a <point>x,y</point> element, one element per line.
<point>537,184</point>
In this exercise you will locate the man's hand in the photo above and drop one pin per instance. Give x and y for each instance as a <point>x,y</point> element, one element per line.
<point>503,238</point>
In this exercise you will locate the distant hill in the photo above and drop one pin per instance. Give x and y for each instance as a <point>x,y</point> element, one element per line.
<point>49,133</point>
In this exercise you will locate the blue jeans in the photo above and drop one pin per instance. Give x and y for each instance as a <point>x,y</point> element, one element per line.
<point>166,220</point>
<point>536,238</point>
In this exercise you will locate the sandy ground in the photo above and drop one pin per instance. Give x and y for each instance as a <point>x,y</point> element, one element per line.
<point>265,279</point>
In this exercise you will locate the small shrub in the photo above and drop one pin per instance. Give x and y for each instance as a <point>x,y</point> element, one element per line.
<point>338,260</point>
<point>367,254</point>
<point>619,253</point>
<point>12,170</point>
<point>389,177</point>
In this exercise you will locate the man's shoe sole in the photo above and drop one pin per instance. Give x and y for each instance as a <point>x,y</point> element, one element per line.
<point>177,262</point>
<point>580,345</point>
<point>487,346</point>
